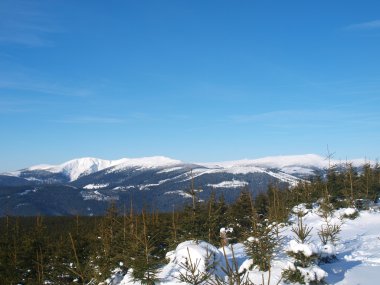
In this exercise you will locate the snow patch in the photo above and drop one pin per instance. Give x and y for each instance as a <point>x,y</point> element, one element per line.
<point>96,195</point>
<point>172,169</point>
<point>199,253</point>
<point>123,187</point>
<point>27,192</point>
<point>179,192</point>
<point>147,186</point>
<point>229,184</point>
<point>96,186</point>
<point>306,249</point>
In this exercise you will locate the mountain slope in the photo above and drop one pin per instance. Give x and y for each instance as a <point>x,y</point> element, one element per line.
<point>158,182</point>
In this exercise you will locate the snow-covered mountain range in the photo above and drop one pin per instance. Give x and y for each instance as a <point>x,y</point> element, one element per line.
<point>75,168</point>
<point>157,180</point>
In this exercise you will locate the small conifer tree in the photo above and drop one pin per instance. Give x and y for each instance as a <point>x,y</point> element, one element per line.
<point>303,270</point>
<point>145,262</point>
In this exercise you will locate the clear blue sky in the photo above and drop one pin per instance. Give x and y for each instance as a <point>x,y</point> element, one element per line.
<point>192,80</point>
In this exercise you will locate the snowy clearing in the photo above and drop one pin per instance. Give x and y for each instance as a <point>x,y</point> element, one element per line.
<point>357,254</point>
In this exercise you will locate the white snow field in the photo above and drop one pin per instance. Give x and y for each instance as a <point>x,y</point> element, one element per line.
<point>357,254</point>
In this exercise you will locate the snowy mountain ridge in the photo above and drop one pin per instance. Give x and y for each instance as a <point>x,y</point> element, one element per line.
<point>287,162</point>
<point>291,164</point>
<point>87,165</point>
<point>91,183</point>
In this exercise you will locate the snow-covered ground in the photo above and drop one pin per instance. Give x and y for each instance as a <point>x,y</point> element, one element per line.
<point>357,253</point>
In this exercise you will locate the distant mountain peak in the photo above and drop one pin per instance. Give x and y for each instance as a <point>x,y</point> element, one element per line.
<point>147,162</point>
<point>75,168</point>
<point>284,161</point>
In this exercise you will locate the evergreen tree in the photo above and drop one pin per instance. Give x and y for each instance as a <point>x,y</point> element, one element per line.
<point>145,261</point>
<point>240,213</point>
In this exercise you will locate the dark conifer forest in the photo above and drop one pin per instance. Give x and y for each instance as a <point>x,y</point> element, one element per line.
<point>79,249</point>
